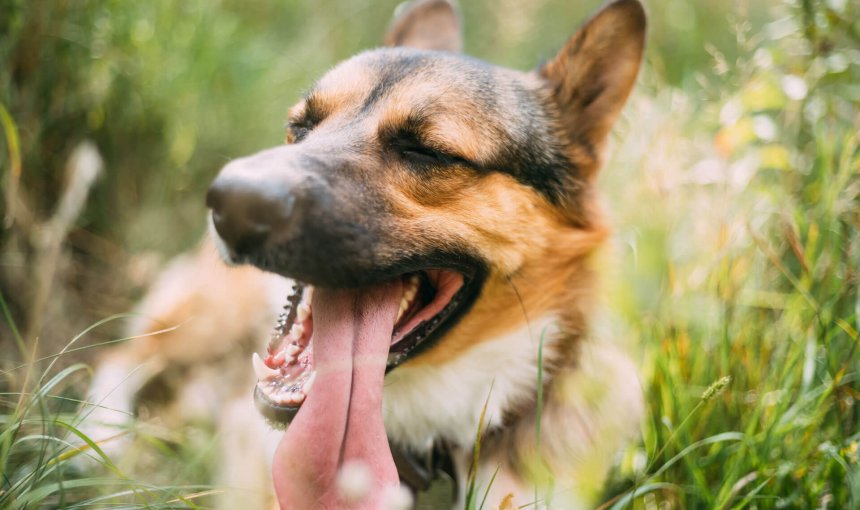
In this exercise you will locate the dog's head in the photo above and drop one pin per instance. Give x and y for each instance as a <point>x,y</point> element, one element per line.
<point>461,184</point>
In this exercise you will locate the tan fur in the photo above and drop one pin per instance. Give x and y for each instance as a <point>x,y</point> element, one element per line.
<point>345,88</point>
<point>455,126</point>
<point>540,263</point>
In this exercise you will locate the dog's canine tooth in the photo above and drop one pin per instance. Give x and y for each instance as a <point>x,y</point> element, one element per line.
<point>263,372</point>
<point>293,350</point>
<point>303,312</point>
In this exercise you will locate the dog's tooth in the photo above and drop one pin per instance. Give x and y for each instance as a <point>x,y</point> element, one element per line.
<point>309,295</point>
<point>303,312</point>
<point>271,393</point>
<point>279,358</point>
<point>297,331</point>
<point>290,358</point>
<point>412,287</point>
<point>404,305</point>
<point>293,350</point>
<point>306,387</point>
<point>274,360</point>
<point>260,368</point>
<point>283,397</point>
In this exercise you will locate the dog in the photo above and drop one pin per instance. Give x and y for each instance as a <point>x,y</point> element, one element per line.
<point>438,219</point>
<point>439,216</point>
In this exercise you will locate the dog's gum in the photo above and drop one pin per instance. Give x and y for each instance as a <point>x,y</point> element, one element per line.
<point>275,360</point>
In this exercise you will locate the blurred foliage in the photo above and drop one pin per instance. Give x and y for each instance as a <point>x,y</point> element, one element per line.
<point>734,183</point>
<point>742,261</point>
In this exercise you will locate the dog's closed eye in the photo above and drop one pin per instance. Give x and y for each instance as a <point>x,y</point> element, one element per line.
<point>415,152</point>
<point>298,130</point>
<point>301,123</point>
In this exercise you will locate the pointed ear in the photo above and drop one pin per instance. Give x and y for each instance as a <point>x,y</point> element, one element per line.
<point>593,74</point>
<point>426,25</point>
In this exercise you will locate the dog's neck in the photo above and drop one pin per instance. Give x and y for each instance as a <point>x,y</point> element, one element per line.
<point>425,402</point>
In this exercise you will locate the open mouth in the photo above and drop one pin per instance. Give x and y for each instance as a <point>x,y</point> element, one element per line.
<point>431,302</point>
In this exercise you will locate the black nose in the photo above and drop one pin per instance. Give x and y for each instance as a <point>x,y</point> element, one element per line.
<point>250,212</point>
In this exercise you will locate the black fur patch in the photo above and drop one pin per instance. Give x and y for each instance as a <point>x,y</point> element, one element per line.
<point>390,73</point>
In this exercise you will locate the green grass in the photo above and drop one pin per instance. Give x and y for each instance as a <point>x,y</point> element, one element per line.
<point>734,275</point>
<point>46,461</point>
<point>741,254</point>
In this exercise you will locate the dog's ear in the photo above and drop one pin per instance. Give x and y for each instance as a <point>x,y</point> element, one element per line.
<point>593,74</point>
<point>427,25</point>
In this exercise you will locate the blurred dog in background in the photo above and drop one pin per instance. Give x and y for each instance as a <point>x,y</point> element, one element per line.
<point>187,362</point>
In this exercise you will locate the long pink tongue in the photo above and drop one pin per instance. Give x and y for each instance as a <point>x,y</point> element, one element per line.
<point>341,419</point>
